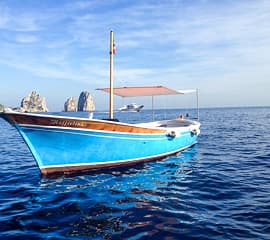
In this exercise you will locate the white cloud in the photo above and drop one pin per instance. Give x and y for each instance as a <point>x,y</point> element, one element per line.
<point>4,17</point>
<point>21,22</point>
<point>175,42</point>
<point>23,38</point>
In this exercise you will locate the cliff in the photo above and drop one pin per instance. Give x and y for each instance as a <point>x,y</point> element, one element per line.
<point>70,105</point>
<point>86,102</point>
<point>33,102</point>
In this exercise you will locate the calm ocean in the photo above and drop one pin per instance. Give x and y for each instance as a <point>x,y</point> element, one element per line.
<point>219,189</point>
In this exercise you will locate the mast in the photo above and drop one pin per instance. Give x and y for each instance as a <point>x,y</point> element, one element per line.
<point>111,74</point>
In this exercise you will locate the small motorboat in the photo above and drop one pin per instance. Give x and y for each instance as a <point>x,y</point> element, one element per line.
<point>133,107</point>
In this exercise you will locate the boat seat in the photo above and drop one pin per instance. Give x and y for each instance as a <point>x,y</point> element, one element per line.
<point>174,123</point>
<point>111,119</point>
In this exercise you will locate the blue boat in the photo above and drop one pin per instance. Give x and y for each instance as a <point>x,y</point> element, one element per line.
<point>62,144</point>
<point>65,144</point>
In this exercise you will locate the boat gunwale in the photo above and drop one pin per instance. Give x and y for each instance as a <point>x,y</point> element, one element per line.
<point>79,123</point>
<point>85,124</point>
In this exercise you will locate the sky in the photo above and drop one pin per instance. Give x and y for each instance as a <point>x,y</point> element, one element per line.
<point>61,48</point>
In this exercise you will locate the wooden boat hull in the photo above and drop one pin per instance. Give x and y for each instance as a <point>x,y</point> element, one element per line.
<point>65,145</point>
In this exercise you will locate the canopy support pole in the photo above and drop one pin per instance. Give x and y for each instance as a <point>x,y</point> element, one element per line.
<point>111,76</point>
<point>197,96</point>
<point>153,113</point>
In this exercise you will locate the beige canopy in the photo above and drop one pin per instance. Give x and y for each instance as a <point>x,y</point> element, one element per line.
<point>144,91</point>
<point>149,91</point>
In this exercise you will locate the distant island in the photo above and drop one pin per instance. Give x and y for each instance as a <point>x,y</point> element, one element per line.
<point>84,104</point>
<point>34,102</point>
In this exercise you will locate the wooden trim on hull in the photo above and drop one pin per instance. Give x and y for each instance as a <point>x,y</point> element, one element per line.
<point>48,171</point>
<point>76,123</point>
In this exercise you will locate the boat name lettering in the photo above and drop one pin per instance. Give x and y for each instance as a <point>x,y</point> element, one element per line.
<point>67,123</point>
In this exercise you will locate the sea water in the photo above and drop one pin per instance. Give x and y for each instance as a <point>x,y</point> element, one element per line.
<point>219,189</point>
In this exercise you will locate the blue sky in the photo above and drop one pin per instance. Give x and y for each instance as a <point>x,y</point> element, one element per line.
<point>60,48</point>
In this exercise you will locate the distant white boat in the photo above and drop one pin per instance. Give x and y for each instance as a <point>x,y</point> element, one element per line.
<point>133,107</point>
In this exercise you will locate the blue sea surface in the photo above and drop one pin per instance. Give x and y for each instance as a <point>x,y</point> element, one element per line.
<point>219,189</point>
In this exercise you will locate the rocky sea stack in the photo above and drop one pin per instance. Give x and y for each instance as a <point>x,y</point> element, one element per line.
<point>70,105</point>
<point>1,108</point>
<point>85,103</point>
<point>33,103</point>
